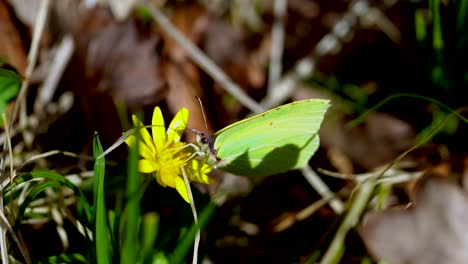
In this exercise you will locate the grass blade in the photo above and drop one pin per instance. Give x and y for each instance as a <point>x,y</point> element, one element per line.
<point>101,231</point>
<point>132,215</point>
<point>186,244</point>
<point>65,258</point>
<point>150,233</point>
<point>462,7</point>
<point>53,176</point>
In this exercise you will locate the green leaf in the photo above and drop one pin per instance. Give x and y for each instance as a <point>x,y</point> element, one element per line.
<point>54,180</point>
<point>10,82</point>
<point>55,177</point>
<point>31,196</point>
<point>462,8</point>
<point>150,233</point>
<point>276,141</point>
<point>132,216</point>
<point>160,258</point>
<point>420,26</point>
<point>66,258</point>
<point>437,39</point>
<point>144,14</point>
<point>101,232</point>
<point>186,243</point>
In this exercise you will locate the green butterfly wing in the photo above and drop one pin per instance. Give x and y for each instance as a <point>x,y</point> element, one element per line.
<point>276,141</point>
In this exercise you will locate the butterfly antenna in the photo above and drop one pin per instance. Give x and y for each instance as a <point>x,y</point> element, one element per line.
<point>203,112</point>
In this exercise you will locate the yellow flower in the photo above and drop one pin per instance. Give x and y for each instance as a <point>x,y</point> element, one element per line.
<point>165,156</point>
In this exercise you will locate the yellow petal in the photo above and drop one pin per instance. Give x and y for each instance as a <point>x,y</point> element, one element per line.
<point>159,135</point>
<point>145,136</point>
<point>147,166</point>
<point>157,174</point>
<point>180,186</point>
<point>177,126</point>
<point>200,174</point>
<point>167,176</point>
<point>130,141</point>
<point>143,150</point>
<point>203,178</point>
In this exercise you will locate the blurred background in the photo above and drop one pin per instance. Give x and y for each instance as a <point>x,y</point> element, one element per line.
<point>100,61</point>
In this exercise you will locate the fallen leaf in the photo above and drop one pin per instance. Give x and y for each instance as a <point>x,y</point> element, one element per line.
<point>114,63</point>
<point>11,46</point>
<point>228,48</point>
<point>377,141</point>
<point>119,60</point>
<point>432,231</point>
<point>182,75</point>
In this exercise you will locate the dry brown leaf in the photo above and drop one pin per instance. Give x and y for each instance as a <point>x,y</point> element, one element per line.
<point>183,76</point>
<point>227,46</point>
<point>121,62</point>
<point>377,141</point>
<point>433,231</point>
<point>114,62</point>
<point>11,46</point>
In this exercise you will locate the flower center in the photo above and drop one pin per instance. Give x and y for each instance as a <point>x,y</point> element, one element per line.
<point>171,157</point>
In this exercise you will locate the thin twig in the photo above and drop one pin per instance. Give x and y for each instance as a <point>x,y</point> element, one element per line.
<point>303,214</point>
<point>3,244</point>
<point>10,152</point>
<point>5,225</point>
<point>122,139</point>
<point>59,63</point>
<point>56,152</point>
<point>277,44</point>
<point>350,221</point>
<point>204,62</point>
<point>393,175</point>
<point>305,67</point>
<point>317,183</point>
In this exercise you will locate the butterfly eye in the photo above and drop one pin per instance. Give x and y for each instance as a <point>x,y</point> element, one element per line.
<point>204,139</point>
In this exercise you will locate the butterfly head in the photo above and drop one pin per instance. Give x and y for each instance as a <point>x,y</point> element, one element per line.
<point>206,142</point>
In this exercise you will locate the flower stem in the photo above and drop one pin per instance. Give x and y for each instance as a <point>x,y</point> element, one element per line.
<point>195,217</point>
